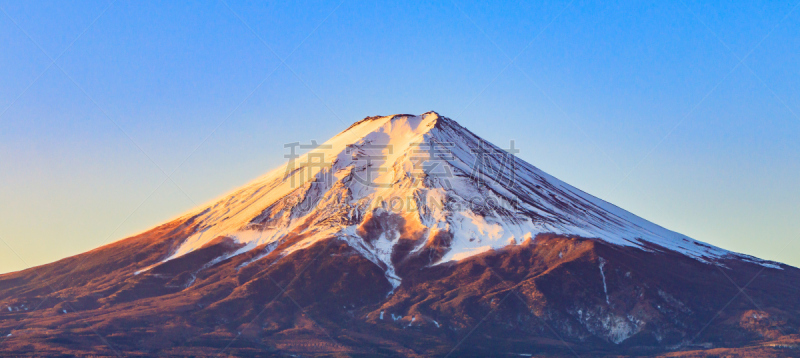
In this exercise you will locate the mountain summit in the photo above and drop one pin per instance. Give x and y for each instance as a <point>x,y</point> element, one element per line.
<point>423,185</point>
<point>403,235</point>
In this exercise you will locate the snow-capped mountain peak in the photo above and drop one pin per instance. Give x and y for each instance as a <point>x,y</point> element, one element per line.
<point>399,236</point>
<point>400,187</point>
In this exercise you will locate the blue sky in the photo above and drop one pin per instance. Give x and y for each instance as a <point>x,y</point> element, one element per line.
<point>685,113</point>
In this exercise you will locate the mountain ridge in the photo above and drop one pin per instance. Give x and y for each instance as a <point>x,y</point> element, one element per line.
<point>314,260</point>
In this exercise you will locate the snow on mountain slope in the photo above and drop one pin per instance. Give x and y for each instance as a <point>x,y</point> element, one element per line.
<point>404,185</point>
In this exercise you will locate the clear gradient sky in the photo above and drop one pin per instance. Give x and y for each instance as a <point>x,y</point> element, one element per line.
<point>684,112</point>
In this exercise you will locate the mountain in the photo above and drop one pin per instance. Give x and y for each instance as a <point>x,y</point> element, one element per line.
<point>404,235</point>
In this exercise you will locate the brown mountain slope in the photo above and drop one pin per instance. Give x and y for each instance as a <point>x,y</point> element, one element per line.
<point>559,296</point>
